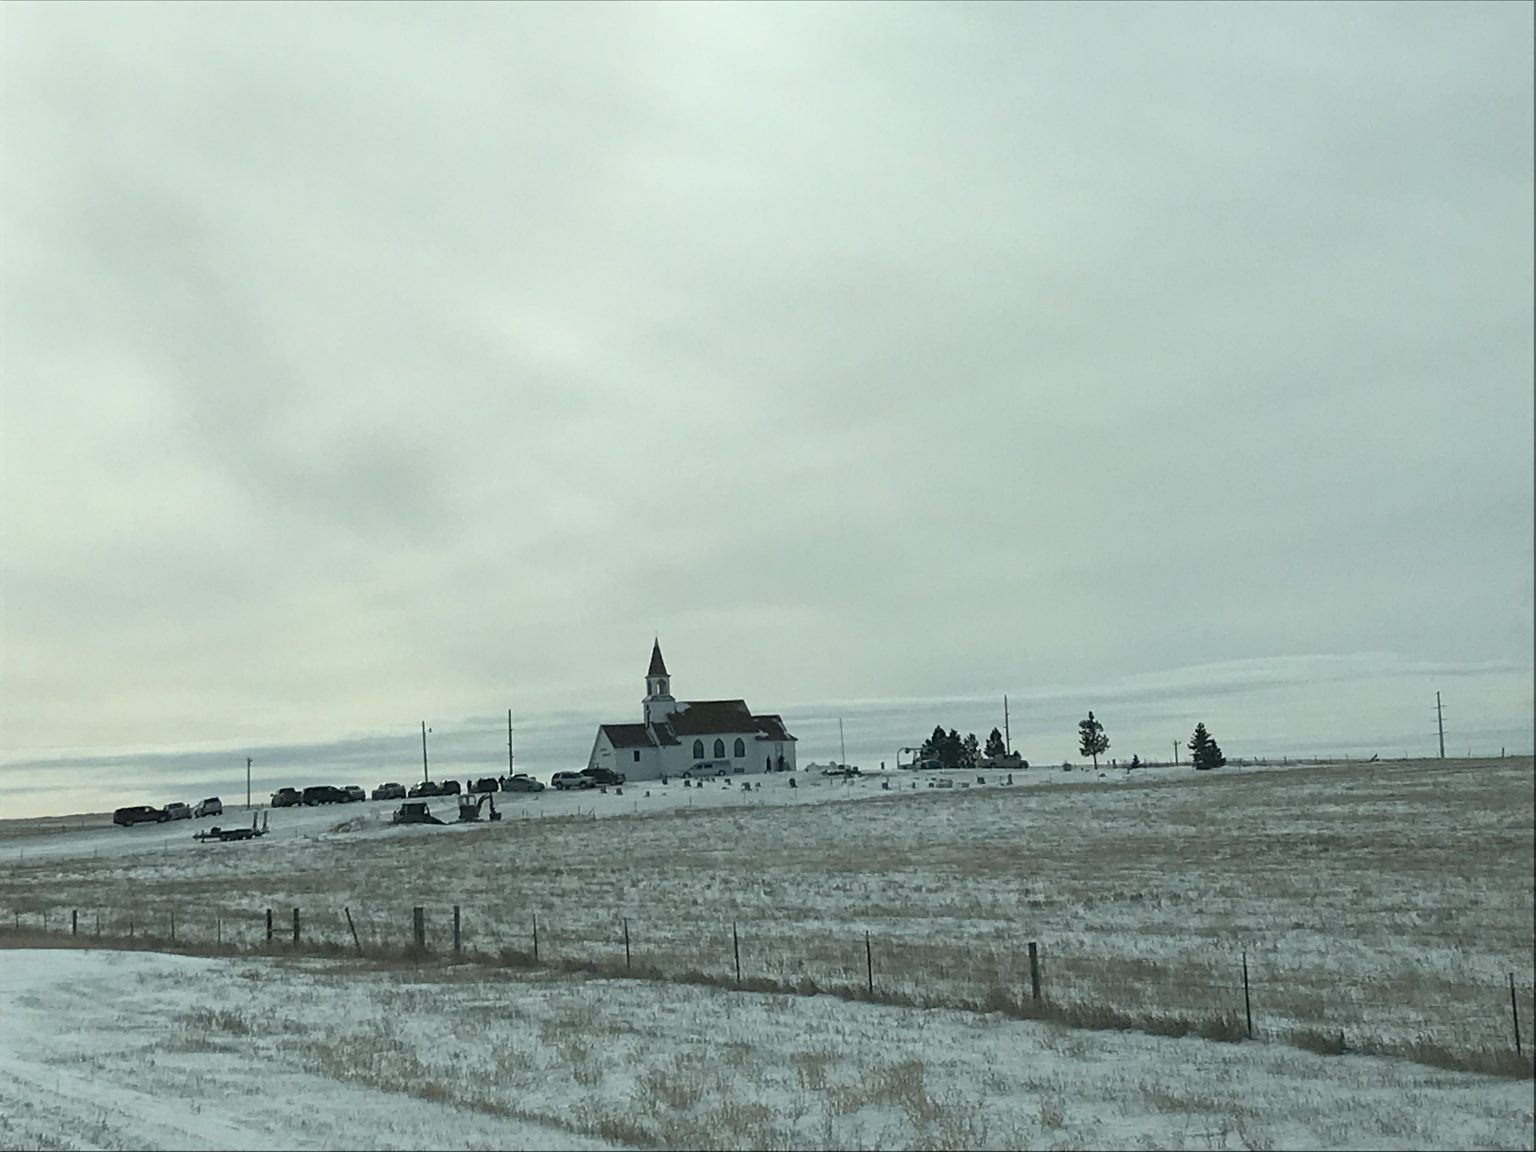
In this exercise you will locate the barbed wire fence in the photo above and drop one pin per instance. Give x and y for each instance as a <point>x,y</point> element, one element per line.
<point>1231,995</point>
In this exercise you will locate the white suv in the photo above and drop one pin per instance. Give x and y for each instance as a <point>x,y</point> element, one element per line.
<point>565,780</point>
<point>212,806</point>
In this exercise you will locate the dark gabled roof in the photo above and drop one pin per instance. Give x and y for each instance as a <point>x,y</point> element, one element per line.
<point>707,717</point>
<point>663,733</point>
<point>658,665</point>
<point>628,735</point>
<point>771,727</point>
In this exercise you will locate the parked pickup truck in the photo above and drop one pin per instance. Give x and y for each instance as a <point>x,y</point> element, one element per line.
<point>176,810</point>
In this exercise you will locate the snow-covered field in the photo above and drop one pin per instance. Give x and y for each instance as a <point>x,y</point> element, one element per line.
<point>105,1049</point>
<point>1388,902</point>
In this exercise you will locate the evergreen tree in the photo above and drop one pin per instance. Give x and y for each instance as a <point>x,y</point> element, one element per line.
<point>1205,752</point>
<point>970,750</point>
<point>1135,762</point>
<point>953,751</point>
<point>1091,740</point>
<point>932,745</point>
<point>995,745</point>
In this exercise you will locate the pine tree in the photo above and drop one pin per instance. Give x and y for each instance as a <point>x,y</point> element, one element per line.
<point>995,746</point>
<point>931,746</point>
<point>1204,751</point>
<point>1091,739</point>
<point>1135,762</point>
<point>952,753</point>
<point>970,750</point>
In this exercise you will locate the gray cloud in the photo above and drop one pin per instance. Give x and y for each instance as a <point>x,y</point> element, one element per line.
<point>360,360</point>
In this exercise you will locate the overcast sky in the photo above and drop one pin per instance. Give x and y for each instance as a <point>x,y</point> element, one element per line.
<point>370,363</point>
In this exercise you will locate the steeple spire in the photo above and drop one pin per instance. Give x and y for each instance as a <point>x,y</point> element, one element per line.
<point>658,688</point>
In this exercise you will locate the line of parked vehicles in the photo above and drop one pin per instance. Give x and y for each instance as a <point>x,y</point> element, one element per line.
<point>175,810</point>
<point>518,782</point>
<point>352,793</point>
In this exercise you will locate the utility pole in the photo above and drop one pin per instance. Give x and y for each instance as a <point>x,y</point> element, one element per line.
<point>1440,717</point>
<point>509,742</point>
<point>1175,753</point>
<point>840,744</point>
<point>1007,736</point>
<point>247,783</point>
<point>425,775</point>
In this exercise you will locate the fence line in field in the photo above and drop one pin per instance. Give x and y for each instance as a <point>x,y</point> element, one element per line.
<point>1036,983</point>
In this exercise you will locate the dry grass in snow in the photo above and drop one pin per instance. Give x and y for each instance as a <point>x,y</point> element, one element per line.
<point>1385,903</point>
<point>169,1051</point>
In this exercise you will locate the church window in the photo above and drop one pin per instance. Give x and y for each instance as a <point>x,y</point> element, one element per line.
<point>637,755</point>
<point>741,748</point>
<point>719,749</point>
<point>698,749</point>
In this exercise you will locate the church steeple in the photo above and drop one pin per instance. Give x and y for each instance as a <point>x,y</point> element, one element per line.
<point>658,688</point>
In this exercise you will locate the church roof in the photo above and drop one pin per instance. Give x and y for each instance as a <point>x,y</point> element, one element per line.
<point>707,717</point>
<point>658,665</point>
<point>771,727</point>
<point>628,735</point>
<point>639,735</point>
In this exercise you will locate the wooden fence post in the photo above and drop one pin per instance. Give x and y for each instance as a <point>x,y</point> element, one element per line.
<point>130,927</point>
<point>1514,1012</point>
<point>74,924</point>
<point>419,926</point>
<point>218,930</point>
<point>626,944</point>
<point>295,927</point>
<point>536,933</point>
<point>1247,1000</point>
<point>869,964</point>
<point>736,948</point>
<point>173,925</point>
<point>269,925</point>
<point>353,928</point>
<point>1034,972</point>
<point>456,947</point>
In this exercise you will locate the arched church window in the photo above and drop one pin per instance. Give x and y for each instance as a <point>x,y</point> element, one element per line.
<point>698,749</point>
<point>741,747</point>
<point>719,749</point>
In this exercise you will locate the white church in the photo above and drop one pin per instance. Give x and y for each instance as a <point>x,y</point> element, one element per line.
<point>678,736</point>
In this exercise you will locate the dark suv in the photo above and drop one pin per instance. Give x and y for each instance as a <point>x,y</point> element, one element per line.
<point>287,798</point>
<point>139,814</point>
<point>324,794</point>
